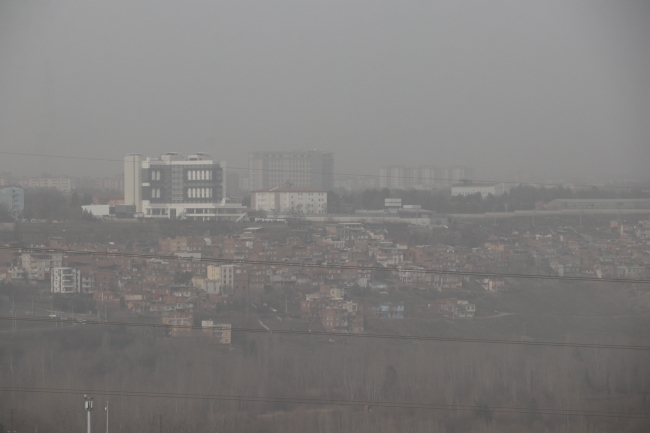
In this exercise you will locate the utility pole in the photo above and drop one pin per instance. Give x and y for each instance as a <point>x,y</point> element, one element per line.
<point>160,424</point>
<point>106,409</point>
<point>13,310</point>
<point>89,407</point>
<point>534,212</point>
<point>580,217</point>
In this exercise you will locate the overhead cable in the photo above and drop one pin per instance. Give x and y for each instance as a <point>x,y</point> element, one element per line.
<point>331,402</point>
<point>346,335</point>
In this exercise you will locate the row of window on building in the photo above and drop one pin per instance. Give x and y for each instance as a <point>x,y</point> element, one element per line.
<point>199,192</point>
<point>199,175</point>
<point>191,174</point>
<point>191,192</point>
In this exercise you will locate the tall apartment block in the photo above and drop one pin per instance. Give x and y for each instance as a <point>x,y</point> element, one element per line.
<point>13,198</point>
<point>173,186</point>
<point>423,177</point>
<point>291,169</point>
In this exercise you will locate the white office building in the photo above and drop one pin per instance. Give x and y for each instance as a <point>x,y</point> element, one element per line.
<point>290,200</point>
<point>173,186</point>
<point>66,280</point>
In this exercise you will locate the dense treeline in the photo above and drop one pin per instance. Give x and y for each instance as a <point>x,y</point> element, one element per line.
<point>5,214</point>
<point>50,204</point>
<point>488,376</point>
<point>521,197</point>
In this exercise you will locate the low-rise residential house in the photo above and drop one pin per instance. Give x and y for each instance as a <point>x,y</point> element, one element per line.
<point>180,323</point>
<point>221,332</point>
<point>447,281</point>
<point>456,308</point>
<point>334,318</point>
<point>464,309</point>
<point>493,284</point>
<point>18,273</point>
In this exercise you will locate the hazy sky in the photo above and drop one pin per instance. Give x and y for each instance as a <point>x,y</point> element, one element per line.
<point>550,86</point>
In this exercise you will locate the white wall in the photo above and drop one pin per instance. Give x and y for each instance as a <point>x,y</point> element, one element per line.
<point>98,210</point>
<point>288,201</point>
<point>484,190</point>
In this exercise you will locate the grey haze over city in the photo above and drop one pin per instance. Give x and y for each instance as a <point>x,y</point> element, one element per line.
<point>551,87</point>
<point>327,216</point>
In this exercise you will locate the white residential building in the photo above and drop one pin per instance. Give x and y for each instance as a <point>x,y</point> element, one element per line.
<point>485,189</point>
<point>63,184</point>
<point>291,200</point>
<point>66,280</point>
<point>38,265</point>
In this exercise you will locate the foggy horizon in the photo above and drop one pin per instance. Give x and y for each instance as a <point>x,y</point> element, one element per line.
<point>549,88</point>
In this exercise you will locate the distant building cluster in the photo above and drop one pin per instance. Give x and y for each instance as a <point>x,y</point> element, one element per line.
<point>65,184</point>
<point>335,313</point>
<point>356,183</point>
<point>598,204</point>
<point>422,177</point>
<point>336,270</point>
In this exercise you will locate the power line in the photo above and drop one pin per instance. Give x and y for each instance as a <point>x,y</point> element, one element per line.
<point>351,335</point>
<point>327,266</point>
<point>277,170</point>
<point>332,402</point>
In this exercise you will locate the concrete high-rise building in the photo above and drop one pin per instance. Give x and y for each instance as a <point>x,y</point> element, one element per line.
<point>173,186</point>
<point>395,177</point>
<point>13,198</point>
<point>133,180</point>
<point>291,169</point>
